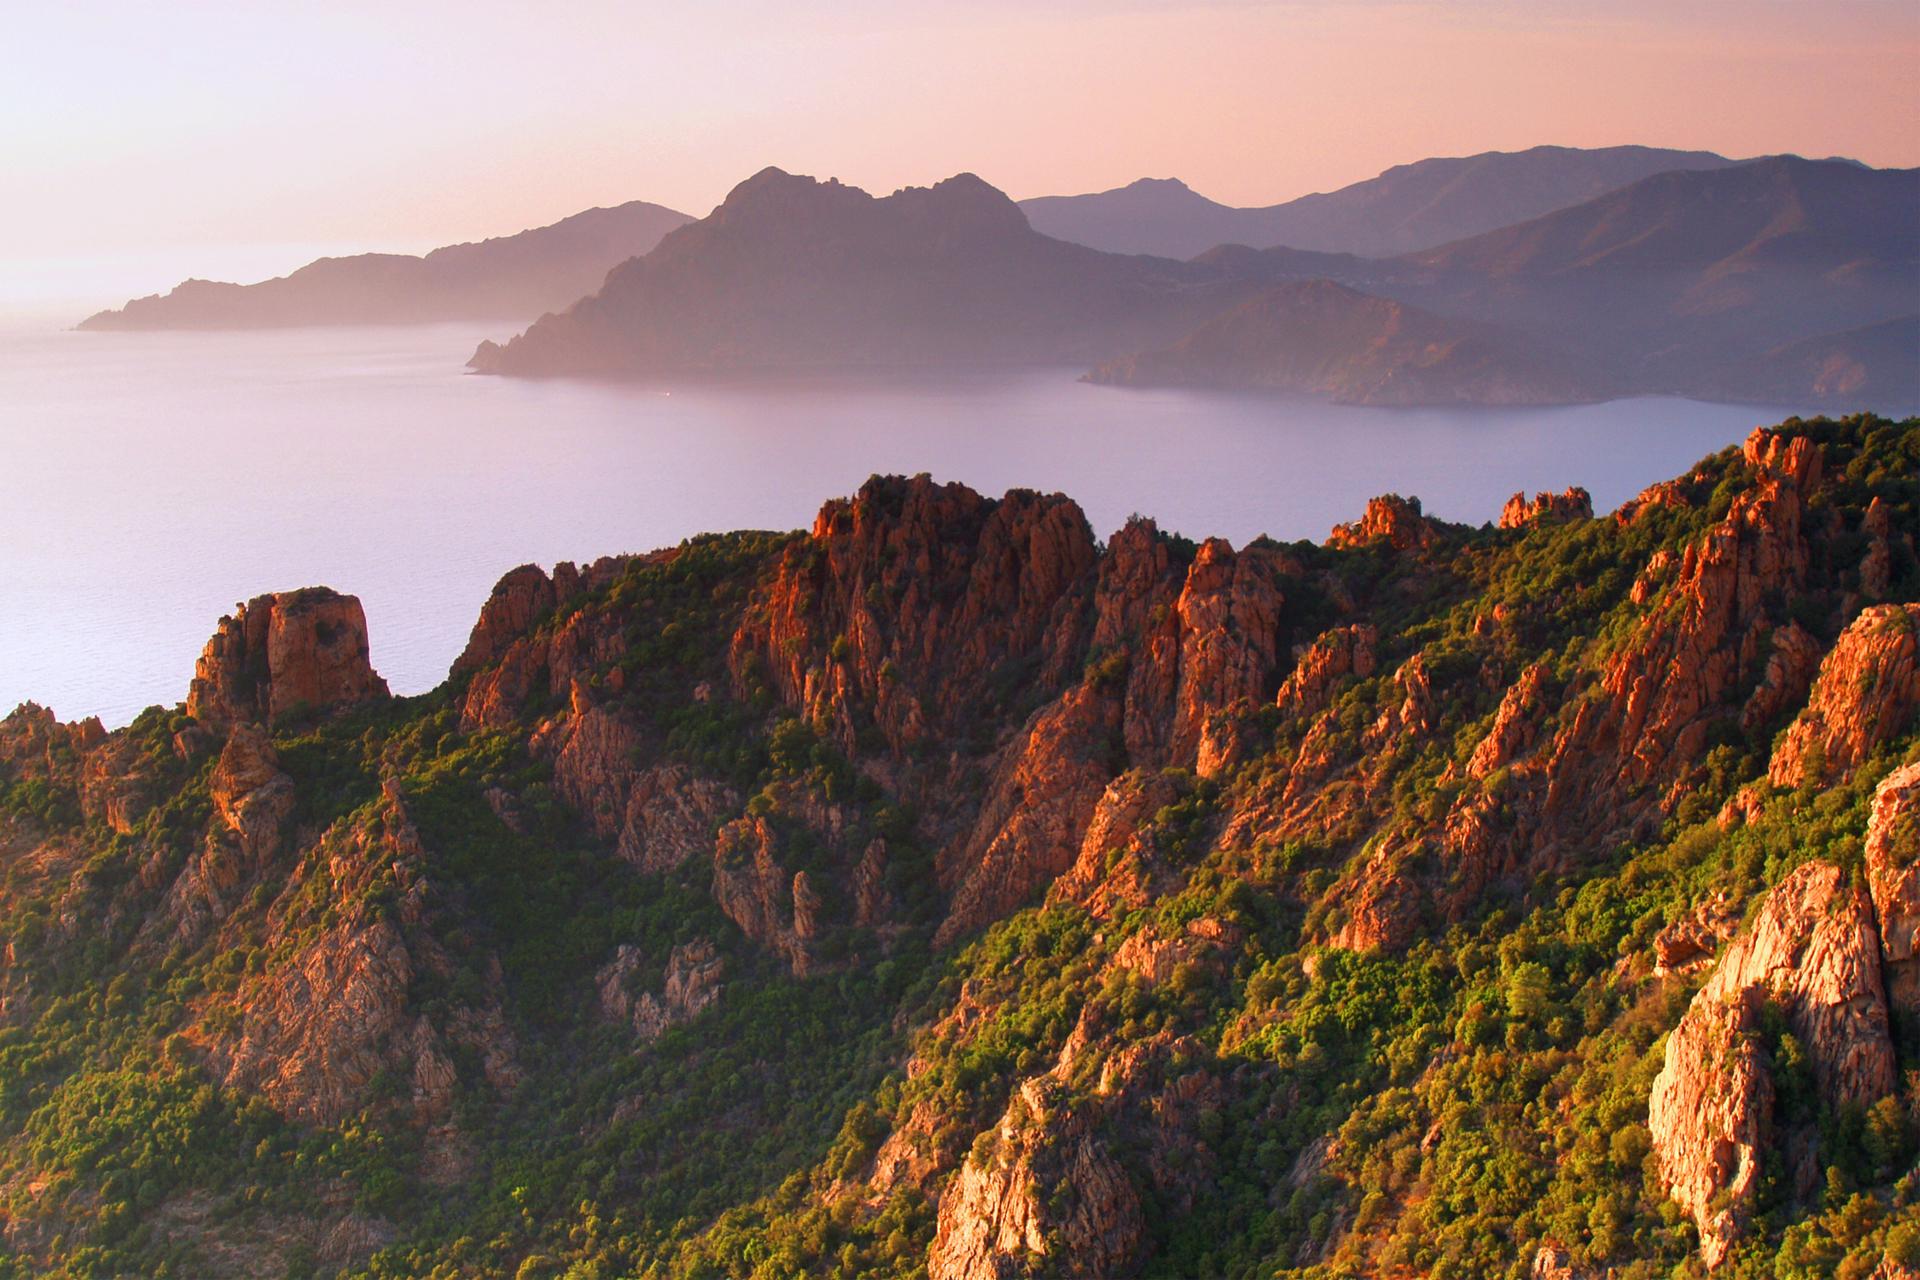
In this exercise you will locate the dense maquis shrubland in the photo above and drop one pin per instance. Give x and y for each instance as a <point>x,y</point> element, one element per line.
<point>945,893</point>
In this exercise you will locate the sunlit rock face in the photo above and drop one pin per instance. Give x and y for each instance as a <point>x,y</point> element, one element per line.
<point>291,651</point>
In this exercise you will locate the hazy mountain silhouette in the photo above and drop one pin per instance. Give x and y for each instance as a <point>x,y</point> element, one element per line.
<point>793,272</point>
<point>513,277</point>
<point>1411,206</point>
<point>1878,365</point>
<point>1321,338</point>
<point>1680,283</point>
<point>1677,277</point>
<point>1683,282</point>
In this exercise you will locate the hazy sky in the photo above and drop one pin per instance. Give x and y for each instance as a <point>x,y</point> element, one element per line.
<point>141,140</point>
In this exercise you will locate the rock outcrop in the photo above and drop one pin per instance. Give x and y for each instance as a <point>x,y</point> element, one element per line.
<point>1866,694</point>
<point>1703,638</point>
<point>1813,951</point>
<point>659,815</point>
<point>1036,813</point>
<point>518,600</point>
<point>116,783</point>
<point>313,1031</point>
<point>250,793</point>
<point>692,983</point>
<point>908,599</point>
<point>1119,866</point>
<point>1319,667</point>
<point>513,661</point>
<point>1000,1216</point>
<point>1893,875</point>
<point>1046,1192</point>
<point>1516,725</point>
<point>1557,508</point>
<point>1390,518</point>
<point>776,907</point>
<point>291,651</point>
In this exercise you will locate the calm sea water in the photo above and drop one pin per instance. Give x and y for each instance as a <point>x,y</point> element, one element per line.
<point>148,482</point>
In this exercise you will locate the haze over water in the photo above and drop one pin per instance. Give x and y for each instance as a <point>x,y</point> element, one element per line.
<point>156,479</point>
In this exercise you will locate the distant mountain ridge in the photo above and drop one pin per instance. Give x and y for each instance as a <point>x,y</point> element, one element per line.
<point>1682,283</point>
<point>515,277</point>
<point>1408,207</point>
<point>793,272</point>
<point>1315,337</point>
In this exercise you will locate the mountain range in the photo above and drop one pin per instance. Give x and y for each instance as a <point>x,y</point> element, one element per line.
<point>1683,283</point>
<point>794,272</point>
<point>1680,283</point>
<point>1546,276</point>
<point>507,278</point>
<point>945,891</point>
<point>1315,337</point>
<point>1410,206</point>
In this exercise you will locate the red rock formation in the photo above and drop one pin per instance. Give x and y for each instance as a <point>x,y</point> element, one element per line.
<point>250,793</point>
<point>1043,1192</point>
<point>1229,614</point>
<point>1036,811</point>
<point>1689,942</point>
<point>34,745</point>
<point>312,1030</point>
<point>1893,875</point>
<point>294,650</point>
<point>511,663</point>
<point>1516,725</point>
<point>1319,668</point>
<point>1671,494</point>
<point>1200,650</point>
<point>1789,672</point>
<point>658,816</point>
<point>908,598</point>
<point>1377,907</point>
<point>762,897</point>
<point>1117,868</point>
<point>1391,517</point>
<point>1866,694</point>
<point>998,1213</point>
<point>1574,504</point>
<point>1876,566</point>
<point>114,784</point>
<point>1814,950</point>
<point>1659,696</point>
<point>519,600</point>
<point>873,901</point>
<point>1710,1118</point>
<point>692,984</point>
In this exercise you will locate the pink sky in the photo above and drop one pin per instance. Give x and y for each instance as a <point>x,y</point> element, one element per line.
<point>142,141</point>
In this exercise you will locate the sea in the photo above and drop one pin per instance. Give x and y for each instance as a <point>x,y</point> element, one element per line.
<point>150,481</point>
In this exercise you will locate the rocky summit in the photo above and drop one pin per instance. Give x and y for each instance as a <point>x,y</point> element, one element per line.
<point>946,891</point>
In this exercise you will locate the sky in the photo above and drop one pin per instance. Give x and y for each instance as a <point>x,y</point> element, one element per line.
<point>141,142</point>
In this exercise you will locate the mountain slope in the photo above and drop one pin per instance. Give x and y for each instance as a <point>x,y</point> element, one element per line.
<point>1437,901</point>
<point>1321,338</point>
<point>510,277</point>
<point>1685,273</point>
<point>792,272</point>
<point>1410,206</point>
<point>1681,283</point>
<point>1875,364</point>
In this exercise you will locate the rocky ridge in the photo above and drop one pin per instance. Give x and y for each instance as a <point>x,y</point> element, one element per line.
<point>789,763</point>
